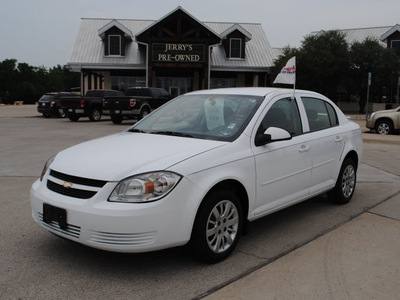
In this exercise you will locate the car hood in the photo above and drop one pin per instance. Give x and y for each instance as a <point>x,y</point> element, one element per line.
<point>387,111</point>
<point>125,154</point>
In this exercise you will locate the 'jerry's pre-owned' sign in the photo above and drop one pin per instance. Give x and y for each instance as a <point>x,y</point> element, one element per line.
<point>178,53</point>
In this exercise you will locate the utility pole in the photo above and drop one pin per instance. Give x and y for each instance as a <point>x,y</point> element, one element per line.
<point>369,84</point>
<point>397,98</point>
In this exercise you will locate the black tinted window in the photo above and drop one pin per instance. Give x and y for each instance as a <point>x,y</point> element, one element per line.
<point>94,94</point>
<point>283,114</point>
<point>320,114</point>
<point>138,92</point>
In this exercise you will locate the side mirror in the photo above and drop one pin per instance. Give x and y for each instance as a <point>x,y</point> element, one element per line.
<point>272,134</point>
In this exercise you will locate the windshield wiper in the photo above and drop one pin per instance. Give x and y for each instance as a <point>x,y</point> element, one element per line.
<point>136,130</point>
<point>172,133</point>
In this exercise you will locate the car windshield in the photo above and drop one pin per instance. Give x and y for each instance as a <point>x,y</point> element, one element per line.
<point>216,117</point>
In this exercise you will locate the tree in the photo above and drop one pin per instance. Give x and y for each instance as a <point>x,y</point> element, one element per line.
<point>382,63</point>
<point>27,83</point>
<point>322,62</point>
<point>8,75</point>
<point>325,62</point>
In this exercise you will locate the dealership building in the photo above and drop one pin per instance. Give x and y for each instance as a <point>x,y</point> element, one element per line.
<point>177,52</point>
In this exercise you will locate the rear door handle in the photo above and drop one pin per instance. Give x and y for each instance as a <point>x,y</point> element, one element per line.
<point>338,139</point>
<point>304,148</point>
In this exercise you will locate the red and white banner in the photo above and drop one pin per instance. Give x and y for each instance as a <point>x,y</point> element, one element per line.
<point>288,73</point>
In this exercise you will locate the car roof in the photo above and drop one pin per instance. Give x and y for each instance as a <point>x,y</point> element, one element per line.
<point>56,93</point>
<point>253,91</point>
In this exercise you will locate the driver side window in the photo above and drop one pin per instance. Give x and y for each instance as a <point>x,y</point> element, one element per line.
<point>283,114</point>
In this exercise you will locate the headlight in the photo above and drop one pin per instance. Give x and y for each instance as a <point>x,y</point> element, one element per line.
<point>371,116</point>
<point>46,167</point>
<point>145,187</point>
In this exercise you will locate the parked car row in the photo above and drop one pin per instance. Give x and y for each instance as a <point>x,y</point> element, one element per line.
<point>135,103</point>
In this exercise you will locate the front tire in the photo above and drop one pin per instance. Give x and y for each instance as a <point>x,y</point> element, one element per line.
<point>384,127</point>
<point>62,114</point>
<point>345,184</point>
<point>73,117</point>
<point>95,115</point>
<point>116,119</point>
<point>217,227</point>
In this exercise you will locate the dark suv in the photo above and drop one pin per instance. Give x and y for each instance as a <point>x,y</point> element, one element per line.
<point>49,104</point>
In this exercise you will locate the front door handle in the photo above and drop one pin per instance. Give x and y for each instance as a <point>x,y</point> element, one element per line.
<point>304,148</point>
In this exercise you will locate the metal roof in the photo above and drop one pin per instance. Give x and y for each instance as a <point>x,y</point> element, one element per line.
<point>361,34</point>
<point>88,51</point>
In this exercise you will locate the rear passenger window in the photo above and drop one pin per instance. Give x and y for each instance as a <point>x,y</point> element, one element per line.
<point>320,114</point>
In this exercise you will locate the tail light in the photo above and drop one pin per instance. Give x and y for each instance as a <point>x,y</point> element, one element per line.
<point>132,102</point>
<point>82,103</point>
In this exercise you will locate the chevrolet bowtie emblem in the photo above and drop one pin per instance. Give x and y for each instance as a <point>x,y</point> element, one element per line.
<point>67,185</point>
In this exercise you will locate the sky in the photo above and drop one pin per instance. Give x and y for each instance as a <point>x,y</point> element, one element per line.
<point>43,32</point>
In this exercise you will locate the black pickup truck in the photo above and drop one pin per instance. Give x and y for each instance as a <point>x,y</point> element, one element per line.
<point>89,106</point>
<point>136,104</point>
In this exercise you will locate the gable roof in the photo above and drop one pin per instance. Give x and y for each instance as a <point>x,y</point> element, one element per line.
<point>390,32</point>
<point>115,23</point>
<point>240,29</point>
<point>177,10</point>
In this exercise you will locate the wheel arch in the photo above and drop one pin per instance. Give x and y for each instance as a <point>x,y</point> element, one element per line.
<point>354,156</point>
<point>98,107</point>
<point>239,190</point>
<point>387,119</point>
<point>145,105</point>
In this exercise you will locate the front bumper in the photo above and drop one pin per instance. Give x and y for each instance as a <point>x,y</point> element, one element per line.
<point>370,124</point>
<point>121,227</point>
<point>74,111</point>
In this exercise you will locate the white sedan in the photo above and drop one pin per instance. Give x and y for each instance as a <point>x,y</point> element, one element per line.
<point>198,169</point>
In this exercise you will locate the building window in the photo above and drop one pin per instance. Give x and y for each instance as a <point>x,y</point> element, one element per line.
<point>122,83</point>
<point>235,48</point>
<point>396,46</point>
<point>217,83</point>
<point>114,45</point>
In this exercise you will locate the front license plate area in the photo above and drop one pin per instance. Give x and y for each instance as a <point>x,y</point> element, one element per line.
<point>56,214</point>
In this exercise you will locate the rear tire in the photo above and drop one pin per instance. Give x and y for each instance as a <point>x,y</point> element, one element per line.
<point>345,184</point>
<point>217,227</point>
<point>144,112</point>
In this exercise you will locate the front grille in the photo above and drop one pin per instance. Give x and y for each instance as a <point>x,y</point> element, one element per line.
<point>78,180</point>
<point>81,188</point>
<point>71,192</point>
